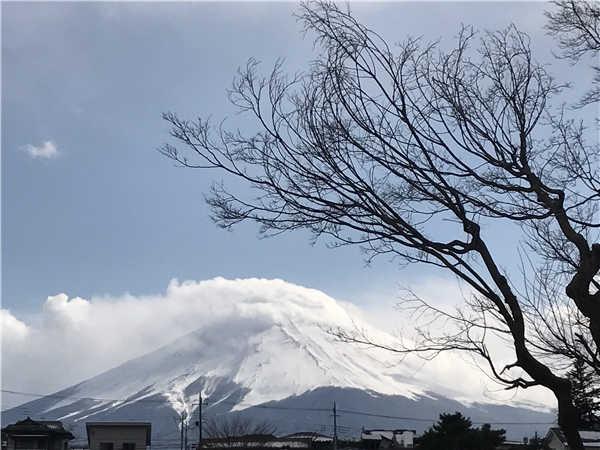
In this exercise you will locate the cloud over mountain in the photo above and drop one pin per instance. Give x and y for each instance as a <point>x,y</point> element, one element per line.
<point>72,339</point>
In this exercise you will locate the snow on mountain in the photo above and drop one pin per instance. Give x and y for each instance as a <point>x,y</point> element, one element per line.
<point>273,349</point>
<point>261,341</point>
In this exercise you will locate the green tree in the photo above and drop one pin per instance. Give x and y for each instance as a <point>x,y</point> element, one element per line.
<point>585,387</point>
<point>455,432</point>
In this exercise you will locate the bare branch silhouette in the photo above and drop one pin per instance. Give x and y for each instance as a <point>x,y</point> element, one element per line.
<point>413,152</point>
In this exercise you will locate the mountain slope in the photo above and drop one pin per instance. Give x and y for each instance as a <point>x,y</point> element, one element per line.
<point>261,358</point>
<point>269,360</point>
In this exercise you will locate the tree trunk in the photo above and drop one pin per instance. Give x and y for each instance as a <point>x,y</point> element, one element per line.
<point>568,419</point>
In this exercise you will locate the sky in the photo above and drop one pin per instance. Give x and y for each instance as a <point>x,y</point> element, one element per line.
<point>91,210</point>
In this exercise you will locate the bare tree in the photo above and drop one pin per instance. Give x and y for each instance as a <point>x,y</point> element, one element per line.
<point>576,24</point>
<point>236,430</point>
<point>416,152</point>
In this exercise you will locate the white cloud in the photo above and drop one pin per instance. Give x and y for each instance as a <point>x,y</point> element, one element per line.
<point>72,339</point>
<point>47,150</point>
<point>13,330</point>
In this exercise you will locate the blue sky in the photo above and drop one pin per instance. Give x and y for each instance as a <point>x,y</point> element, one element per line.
<point>106,213</point>
<point>91,209</point>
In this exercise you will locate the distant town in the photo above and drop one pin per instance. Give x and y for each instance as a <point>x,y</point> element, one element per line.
<point>30,434</point>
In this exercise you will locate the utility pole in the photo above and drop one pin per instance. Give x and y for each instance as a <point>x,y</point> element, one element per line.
<point>335,439</point>
<point>181,438</point>
<point>199,420</point>
<point>185,440</point>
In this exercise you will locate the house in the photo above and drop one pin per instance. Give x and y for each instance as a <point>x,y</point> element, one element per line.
<point>383,439</point>
<point>513,445</point>
<point>32,434</point>
<point>555,439</point>
<point>118,435</point>
<point>310,436</point>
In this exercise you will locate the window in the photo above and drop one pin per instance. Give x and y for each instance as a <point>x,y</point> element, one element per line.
<point>107,446</point>
<point>128,445</point>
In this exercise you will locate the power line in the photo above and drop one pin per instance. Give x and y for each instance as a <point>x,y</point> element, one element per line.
<point>335,436</point>
<point>415,419</point>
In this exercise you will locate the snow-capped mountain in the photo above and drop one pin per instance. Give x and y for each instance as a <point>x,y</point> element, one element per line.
<point>269,358</point>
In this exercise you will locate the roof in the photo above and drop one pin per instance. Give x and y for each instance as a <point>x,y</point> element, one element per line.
<point>589,435</point>
<point>119,424</point>
<point>45,427</point>
<point>313,436</point>
<point>146,425</point>
<point>383,434</point>
<point>53,424</point>
<point>257,437</point>
<point>590,438</point>
<point>508,444</point>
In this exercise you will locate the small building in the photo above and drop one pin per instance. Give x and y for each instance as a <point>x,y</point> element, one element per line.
<point>32,434</point>
<point>316,441</point>
<point>383,439</point>
<point>513,445</point>
<point>555,439</point>
<point>310,436</point>
<point>118,435</point>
